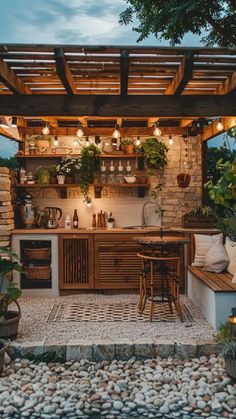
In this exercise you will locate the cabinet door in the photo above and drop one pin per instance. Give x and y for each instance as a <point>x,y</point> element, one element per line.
<point>116,264</point>
<point>75,261</point>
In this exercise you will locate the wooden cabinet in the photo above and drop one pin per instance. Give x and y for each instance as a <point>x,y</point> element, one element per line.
<point>75,261</point>
<point>116,262</point>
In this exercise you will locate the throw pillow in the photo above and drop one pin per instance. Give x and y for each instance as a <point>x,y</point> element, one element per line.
<point>230,248</point>
<point>216,259</point>
<point>203,243</point>
<point>234,279</point>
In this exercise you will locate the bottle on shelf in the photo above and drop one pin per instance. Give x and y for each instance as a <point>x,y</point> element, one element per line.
<point>120,176</point>
<point>67,221</point>
<point>75,219</point>
<point>23,175</point>
<point>111,176</point>
<point>103,176</point>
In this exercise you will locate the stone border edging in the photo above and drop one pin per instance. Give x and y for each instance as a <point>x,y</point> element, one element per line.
<point>109,349</point>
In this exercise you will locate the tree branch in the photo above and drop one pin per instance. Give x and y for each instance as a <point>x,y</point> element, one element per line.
<point>220,30</point>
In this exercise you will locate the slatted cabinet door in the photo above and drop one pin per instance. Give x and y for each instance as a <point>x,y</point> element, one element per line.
<point>117,265</point>
<point>75,261</point>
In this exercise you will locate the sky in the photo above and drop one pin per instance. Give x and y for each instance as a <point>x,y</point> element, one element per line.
<point>68,22</point>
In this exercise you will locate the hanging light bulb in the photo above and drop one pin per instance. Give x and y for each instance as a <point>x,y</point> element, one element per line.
<point>55,141</point>
<point>80,132</point>
<point>14,122</point>
<point>219,125</point>
<point>116,133</point>
<point>45,129</point>
<point>89,203</point>
<point>171,142</point>
<point>87,142</point>
<point>137,141</point>
<point>157,131</point>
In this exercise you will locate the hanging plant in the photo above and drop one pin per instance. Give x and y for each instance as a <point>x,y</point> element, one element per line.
<point>90,163</point>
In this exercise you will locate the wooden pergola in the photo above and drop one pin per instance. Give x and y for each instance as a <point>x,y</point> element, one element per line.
<point>106,85</point>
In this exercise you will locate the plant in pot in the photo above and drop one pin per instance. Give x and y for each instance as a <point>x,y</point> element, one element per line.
<point>89,164</point>
<point>53,174</point>
<point>69,167</point>
<point>42,175</point>
<point>155,155</point>
<point>9,293</point>
<point>227,344</point>
<point>201,217</point>
<point>128,145</point>
<point>222,195</point>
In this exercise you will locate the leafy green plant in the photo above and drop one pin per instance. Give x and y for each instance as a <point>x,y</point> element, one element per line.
<point>53,170</point>
<point>11,162</point>
<point>68,166</point>
<point>229,350</point>
<point>42,175</point>
<point>223,334</point>
<point>9,291</point>
<point>201,212</point>
<point>90,163</point>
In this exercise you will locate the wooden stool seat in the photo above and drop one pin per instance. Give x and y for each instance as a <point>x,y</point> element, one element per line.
<point>159,272</point>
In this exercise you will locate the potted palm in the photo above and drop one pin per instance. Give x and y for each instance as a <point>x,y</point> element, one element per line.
<point>9,293</point>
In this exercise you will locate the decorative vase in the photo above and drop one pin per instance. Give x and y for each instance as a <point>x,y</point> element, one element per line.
<point>61,179</point>
<point>183,180</point>
<point>69,179</point>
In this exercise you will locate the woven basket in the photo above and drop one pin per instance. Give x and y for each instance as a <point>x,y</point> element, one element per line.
<point>42,253</point>
<point>38,272</point>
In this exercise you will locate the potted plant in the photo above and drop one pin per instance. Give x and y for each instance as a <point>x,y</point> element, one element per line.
<point>69,167</point>
<point>42,175</point>
<point>201,217</point>
<point>128,145</point>
<point>53,174</point>
<point>9,293</point>
<point>223,196</point>
<point>227,344</point>
<point>89,164</point>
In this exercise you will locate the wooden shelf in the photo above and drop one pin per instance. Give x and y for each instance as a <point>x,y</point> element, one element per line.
<point>122,185</point>
<point>54,156</point>
<point>49,185</point>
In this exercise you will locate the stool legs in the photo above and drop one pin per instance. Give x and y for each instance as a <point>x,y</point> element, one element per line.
<point>151,292</point>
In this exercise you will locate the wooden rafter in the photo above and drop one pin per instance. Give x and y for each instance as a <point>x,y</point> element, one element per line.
<point>182,76</point>
<point>124,71</point>
<point>64,72</point>
<point>228,86</point>
<point>211,131</point>
<point>10,80</point>
<point>114,105</point>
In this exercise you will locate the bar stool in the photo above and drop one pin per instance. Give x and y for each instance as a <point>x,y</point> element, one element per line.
<point>158,269</point>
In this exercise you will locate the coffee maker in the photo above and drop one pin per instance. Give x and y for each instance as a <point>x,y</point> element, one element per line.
<point>53,215</point>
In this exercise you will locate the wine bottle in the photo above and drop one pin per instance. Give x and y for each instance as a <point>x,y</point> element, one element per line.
<point>75,219</point>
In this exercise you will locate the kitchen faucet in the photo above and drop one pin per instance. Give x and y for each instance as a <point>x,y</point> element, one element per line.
<point>159,210</point>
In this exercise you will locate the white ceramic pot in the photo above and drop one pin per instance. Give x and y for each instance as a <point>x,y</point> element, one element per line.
<point>61,179</point>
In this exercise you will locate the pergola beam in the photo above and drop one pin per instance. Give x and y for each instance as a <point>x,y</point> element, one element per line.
<point>228,86</point>
<point>64,72</point>
<point>10,80</point>
<point>115,105</point>
<point>211,131</point>
<point>124,72</point>
<point>182,76</point>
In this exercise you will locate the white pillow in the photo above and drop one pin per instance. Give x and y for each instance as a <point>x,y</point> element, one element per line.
<point>203,243</point>
<point>230,248</point>
<point>216,259</point>
<point>234,279</point>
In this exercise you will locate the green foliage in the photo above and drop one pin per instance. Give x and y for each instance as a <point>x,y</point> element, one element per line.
<point>90,163</point>
<point>8,263</point>
<point>201,212</point>
<point>42,175</point>
<point>68,166</point>
<point>172,19</point>
<point>229,350</point>
<point>10,162</point>
<point>214,154</point>
<point>223,334</point>
<point>155,154</point>
<point>48,357</point>
<point>52,170</point>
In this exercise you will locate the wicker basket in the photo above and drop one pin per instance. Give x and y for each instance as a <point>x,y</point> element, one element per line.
<point>38,272</point>
<point>42,253</point>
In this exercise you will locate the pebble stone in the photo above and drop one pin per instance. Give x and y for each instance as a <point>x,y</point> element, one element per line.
<point>152,388</point>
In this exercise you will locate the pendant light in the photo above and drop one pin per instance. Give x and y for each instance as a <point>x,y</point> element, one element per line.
<point>157,131</point>
<point>46,129</point>
<point>55,141</point>
<point>116,133</point>
<point>14,122</point>
<point>87,143</point>
<point>219,125</point>
<point>3,122</point>
<point>80,132</point>
<point>137,142</point>
<point>170,141</point>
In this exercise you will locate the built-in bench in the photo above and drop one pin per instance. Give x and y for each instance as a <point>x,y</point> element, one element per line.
<point>213,293</point>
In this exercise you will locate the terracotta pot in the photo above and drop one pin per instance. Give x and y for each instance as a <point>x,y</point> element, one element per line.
<point>129,149</point>
<point>3,348</point>
<point>183,180</point>
<point>69,179</point>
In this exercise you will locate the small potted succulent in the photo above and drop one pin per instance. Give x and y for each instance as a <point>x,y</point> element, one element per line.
<point>128,145</point>
<point>9,293</point>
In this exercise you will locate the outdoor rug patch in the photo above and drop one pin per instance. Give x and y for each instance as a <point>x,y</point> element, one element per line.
<point>114,312</point>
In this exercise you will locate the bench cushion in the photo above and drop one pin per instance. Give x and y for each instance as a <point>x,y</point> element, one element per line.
<point>217,282</point>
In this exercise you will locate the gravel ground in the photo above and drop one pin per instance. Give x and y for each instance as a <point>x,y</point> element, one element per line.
<point>35,312</point>
<point>158,388</point>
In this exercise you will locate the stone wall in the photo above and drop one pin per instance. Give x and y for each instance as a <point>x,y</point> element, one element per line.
<point>6,209</point>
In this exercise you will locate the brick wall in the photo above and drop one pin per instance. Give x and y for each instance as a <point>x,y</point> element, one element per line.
<point>6,210</point>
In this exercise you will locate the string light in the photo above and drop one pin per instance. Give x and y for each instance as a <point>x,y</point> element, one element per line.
<point>55,141</point>
<point>116,133</point>
<point>171,142</point>
<point>79,131</point>
<point>87,142</point>
<point>137,141</point>
<point>157,131</point>
<point>46,129</point>
<point>14,122</point>
<point>219,125</point>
